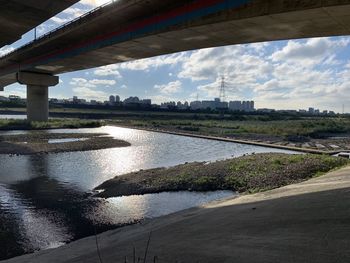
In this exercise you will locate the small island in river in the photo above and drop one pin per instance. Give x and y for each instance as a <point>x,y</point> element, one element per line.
<point>44,142</point>
<point>247,174</point>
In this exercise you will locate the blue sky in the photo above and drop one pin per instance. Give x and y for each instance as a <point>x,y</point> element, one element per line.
<point>284,75</point>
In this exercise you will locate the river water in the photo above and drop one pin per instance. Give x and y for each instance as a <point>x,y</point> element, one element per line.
<point>45,200</point>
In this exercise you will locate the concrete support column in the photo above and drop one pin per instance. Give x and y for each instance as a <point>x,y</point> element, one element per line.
<point>37,94</point>
<point>37,103</point>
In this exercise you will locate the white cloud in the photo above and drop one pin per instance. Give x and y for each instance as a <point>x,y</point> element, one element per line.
<point>81,82</point>
<point>110,70</point>
<point>5,50</point>
<point>89,89</point>
<point>163,98</point>
<point>170,88</point>
<point>15,90</point>
<point>290,74</point>
<point>59,20</point>
<point>212,89</point>
<point>103,82</point>
<point>310,52</point>
<point>68,15</point>
<point>90,94</point>
<point>236,62</point>
<point>153,63</point>
<point>94,3</point>
<point>75,11</point>
<point>298,74</point>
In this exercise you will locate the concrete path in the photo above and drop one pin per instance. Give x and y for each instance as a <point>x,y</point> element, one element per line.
<point>307,222</point>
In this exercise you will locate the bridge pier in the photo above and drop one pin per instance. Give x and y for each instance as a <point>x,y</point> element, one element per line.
<point>37,94</point>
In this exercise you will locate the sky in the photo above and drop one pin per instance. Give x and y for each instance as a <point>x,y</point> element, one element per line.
<point>294,74</point>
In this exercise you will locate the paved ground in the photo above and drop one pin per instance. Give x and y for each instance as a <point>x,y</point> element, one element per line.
<point>307,222</point>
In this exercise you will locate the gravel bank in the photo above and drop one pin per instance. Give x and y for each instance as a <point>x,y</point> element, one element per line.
<point>41,142</point>
<point>253,173</point>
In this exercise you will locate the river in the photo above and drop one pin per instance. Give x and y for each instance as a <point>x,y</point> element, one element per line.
<point>45,200</point>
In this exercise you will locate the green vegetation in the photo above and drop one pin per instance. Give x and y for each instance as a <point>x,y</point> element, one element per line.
<point>51,124</point>
<point>287,126</point>
<point>314,127</point>
<point>247,174</point>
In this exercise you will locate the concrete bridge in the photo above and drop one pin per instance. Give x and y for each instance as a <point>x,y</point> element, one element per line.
<point>128,30</point>
<point>18,17</point>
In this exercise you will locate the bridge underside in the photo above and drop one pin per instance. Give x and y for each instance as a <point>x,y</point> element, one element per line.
<point>317,23</point>
<point>125,31</point>
<point>18,17</point>
<point>99,40</point>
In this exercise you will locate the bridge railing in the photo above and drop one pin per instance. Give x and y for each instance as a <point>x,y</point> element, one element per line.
<point>62,27</point>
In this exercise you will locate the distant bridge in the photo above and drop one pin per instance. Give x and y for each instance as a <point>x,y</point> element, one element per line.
<point>128,30</point>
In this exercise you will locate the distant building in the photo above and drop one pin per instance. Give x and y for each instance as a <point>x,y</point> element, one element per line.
<point>2,98</point>
<point>14,98</point>
<point>146,102</point>
<point>247,106</point>
<point>209,104</point>
<point>112,100</point>
<point>131,100</point>
<point>288,111</point>
<point>136,102</point>
<point>235,105</point>
<point>196,105</point>
<point>168,105</point>
<point>265,110</point>
<point>252,106</point>
<point>117,99</point>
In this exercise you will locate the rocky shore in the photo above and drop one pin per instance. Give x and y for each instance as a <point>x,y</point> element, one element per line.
<point>245,174</point>
<point>42,142</point>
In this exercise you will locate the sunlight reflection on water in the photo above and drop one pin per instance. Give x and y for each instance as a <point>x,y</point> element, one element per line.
<point>44,200</point>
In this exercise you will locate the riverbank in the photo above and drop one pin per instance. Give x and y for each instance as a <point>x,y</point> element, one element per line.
<point>43,143</point>
<point>247,174</point>
<point>305,222</point>
<point>12,124</point>
<point>241,141</point>
<point>313,134</point>
<point>321,146</point>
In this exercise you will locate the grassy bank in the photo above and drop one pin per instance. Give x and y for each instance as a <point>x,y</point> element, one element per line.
<point>274,124</point>
<point>320,133</point>
<point>246,174</point>
<point>51,124</point>
<point>313,127</point>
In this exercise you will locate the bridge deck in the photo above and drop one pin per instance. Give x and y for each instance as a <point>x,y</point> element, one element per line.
<point>129,30</point>
<point>18,17</point>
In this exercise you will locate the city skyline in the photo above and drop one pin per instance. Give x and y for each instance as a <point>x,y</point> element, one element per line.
<point>282,74</point>
<point>214,104</point>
